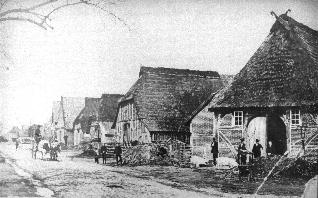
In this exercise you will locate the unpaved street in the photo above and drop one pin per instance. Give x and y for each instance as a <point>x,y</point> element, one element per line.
<point>12,184</point>
<point>78,177</point>
<point>83,178</point>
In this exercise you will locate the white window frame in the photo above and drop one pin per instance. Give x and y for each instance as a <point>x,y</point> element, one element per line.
<point>295,116</point>
<point>238,114</point>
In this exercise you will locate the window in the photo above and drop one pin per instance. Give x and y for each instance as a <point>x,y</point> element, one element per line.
<point>295,117</point>
<point>238,118</point>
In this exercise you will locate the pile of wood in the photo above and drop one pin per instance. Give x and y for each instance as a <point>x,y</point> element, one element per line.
<point>151,154</point>
<point>138,155</point>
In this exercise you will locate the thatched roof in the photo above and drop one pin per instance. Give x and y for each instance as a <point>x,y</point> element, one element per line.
<point>108,107</point>
<point>282,72</point>
<point>164,97</point>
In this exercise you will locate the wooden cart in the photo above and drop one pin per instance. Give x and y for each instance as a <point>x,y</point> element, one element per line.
<point>245,165</point>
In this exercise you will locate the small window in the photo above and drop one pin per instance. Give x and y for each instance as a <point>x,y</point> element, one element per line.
<point>295,117</point>
<point>238,118</point>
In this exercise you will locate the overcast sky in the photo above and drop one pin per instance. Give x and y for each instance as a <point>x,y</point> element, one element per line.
<point>89,53</point>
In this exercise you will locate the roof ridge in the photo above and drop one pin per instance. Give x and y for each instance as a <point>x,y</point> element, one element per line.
<point>177,71</point>
<point>291,26</point>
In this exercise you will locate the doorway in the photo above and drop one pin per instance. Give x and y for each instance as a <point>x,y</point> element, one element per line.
<point>276,132</point>
<point>256,130</point>
<point>267,128</point>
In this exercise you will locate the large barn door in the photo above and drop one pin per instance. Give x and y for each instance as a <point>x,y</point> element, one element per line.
<point>256,130</point>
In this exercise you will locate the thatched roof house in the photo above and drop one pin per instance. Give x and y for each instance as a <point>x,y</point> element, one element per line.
<point>275,96</point>
<point>160,101</point>
<point>96,117</point>
<point>88,114</point>
<point>282,72</point>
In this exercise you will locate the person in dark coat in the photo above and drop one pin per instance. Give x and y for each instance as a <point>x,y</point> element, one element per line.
<point>214,150</point>
<point>103,150</point>
<point>270,150</point>
<point>257,149</point>
<point>16,144</point>
<point>65,139</point>
<point>242,152</point>
<point>118,152</point>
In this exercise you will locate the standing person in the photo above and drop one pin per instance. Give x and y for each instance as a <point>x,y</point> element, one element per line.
<point>242,152</point>
<point>270,150</point>
<point>65,139</point>
<point>103,150</point>
<point>118,152</point>
<point>16,144</point>
<point>96,156</point>
<point>214,150</point>
<point>257,149</point>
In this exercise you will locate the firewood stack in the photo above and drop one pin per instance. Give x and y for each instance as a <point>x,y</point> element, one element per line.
<point>148,154</point>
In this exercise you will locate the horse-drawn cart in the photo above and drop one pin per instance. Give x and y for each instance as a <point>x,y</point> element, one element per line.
<point>46,147</point>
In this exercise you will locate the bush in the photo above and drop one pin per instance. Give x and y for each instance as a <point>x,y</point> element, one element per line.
<point>301,168</point>
<point>288,167</point>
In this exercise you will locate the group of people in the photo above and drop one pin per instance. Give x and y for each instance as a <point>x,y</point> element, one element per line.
<point>103,152</point>
<point>256,150</point>
<point>242,151</point>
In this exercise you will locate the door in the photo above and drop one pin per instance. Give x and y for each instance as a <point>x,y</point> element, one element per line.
<point>256,130</point>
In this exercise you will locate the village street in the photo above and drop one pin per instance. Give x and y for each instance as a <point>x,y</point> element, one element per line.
<point>78,177</point>
<point>83,178</point>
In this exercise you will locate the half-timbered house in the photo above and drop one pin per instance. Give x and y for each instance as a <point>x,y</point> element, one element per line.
<point>274,97</point>
<point>157,105</point>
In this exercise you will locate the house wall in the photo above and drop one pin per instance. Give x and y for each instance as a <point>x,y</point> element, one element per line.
<point>78,134</point>
<point>70,138</point>
<point>129,127</point>
<point>308,127</point>
<point>229,135</point>
<point>60,134</point>
<point>105,128</point>
<point>202,133</point>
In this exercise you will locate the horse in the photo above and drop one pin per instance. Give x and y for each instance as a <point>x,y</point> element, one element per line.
<point>42,146</point>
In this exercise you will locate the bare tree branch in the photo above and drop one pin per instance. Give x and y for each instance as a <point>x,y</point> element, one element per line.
<point>23,19</point>
<point>33,15</point>
<point>41,19</point>
<point>111,14</point>
<point>3,3</point>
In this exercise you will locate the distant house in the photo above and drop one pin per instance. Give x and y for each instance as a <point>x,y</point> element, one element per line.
<point>275,96</point>
<point>64,114</point>
<point>96,118</point>
<point>14,134</point>
<point>157,105</point>
<point>86,122</point>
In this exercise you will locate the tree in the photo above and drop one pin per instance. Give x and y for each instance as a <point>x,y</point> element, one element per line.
<point>39,12</point>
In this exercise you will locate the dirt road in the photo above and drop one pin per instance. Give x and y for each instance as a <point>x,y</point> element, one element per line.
<point>83,178</point>
<point>77,177</point>
<point>12,184</point>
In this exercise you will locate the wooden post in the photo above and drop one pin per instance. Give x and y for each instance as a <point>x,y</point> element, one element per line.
<point>302,135</point>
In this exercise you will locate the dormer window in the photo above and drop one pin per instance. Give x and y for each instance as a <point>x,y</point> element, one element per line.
<point>295,117</point>
<point>238,118</point>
